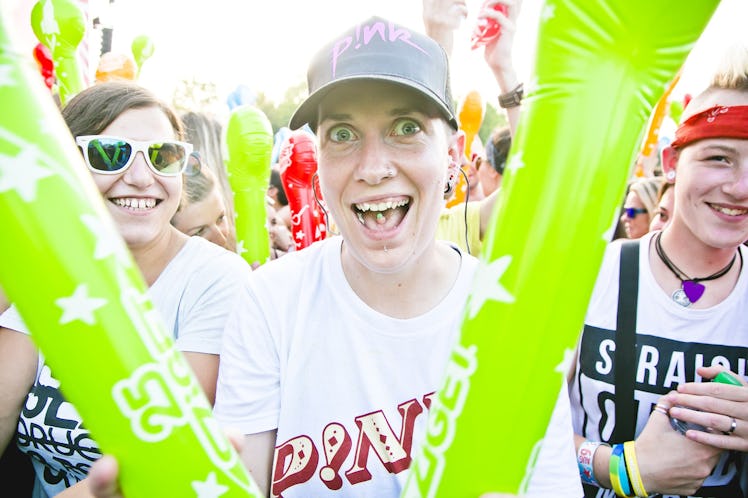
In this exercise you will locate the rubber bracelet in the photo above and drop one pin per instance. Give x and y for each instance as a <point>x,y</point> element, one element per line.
<point>617,468</point>
<point>632,467</point>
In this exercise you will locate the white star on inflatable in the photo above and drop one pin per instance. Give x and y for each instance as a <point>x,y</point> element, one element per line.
<point>549,12</point>
<point>240,248</point>
<point>108,241</point>
<point>22,172</point>
<point>487,286</point>
<point>6,78</point>
<point>79,306</point>
<point>47,127</point>
<point>209,488</point>
<point>300,235</point>
<point>515,162</point>
<point>49,24</point>
<point>565,365</point>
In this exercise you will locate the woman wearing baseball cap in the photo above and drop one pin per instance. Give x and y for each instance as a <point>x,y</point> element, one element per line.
<point>332,378</point>
<point>329,377</point>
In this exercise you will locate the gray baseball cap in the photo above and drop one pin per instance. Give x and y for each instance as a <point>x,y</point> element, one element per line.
<point>378,49</point>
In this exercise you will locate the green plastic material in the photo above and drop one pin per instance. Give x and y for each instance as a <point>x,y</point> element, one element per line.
<point>80,293</point>
<point>142,49</point>
<point>726,378</point>
<point>600,68</point>
<point>249,140</point>
<point>60,25</point>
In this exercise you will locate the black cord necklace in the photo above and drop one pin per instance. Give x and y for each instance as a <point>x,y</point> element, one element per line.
<point>690,289</point>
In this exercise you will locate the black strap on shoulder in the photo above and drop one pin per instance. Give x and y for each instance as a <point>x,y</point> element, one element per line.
<point>625,358</point>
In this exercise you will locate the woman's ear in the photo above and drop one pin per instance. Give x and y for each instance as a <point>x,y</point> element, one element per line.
<point>457,149</point>
<point>669,161</point>
<point>456,152</point>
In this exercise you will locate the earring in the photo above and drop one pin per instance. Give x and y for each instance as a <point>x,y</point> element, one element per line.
<point>452,179</point>
<point>670,175</point>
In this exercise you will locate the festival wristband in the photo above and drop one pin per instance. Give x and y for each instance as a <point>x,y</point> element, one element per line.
<point>585,458</point>
<point>632,467</point>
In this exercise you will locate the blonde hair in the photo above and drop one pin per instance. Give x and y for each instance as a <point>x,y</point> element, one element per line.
<point>647,190</point>
<point>732,71</point>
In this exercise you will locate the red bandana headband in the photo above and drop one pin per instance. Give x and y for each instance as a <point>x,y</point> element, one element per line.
<point>715,122</point>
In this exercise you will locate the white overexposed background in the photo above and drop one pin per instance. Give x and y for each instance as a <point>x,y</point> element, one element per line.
<point>266,45</point>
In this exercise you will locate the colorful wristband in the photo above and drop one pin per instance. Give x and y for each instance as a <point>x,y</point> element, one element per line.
<point>617,468</point>
<point>585,457</point>
<point>632,467</point>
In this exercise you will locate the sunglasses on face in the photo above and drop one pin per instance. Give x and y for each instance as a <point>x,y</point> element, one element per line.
<point>113,155</point>
<point>632,213</point>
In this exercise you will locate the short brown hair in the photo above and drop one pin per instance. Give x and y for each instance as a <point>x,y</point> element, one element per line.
<point>96,107</point>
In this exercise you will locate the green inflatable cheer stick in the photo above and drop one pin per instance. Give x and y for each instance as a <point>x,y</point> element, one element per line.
<point>142,50</point>
<point>600,67</point>
<point>90,316</point>
<point>61,25</point>
<point>249,140</point>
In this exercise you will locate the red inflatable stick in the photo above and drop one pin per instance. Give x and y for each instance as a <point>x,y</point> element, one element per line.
<point>486,30</point>
<point>46,65</point>
<point>298,164</point>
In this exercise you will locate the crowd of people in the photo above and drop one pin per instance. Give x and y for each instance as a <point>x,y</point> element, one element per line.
<point>348,339</point>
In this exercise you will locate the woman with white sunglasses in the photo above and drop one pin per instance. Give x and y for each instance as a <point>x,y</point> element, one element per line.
<point>130,142</point>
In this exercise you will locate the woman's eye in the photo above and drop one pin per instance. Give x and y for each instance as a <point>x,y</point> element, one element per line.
<point>341,134</point>
<point>199,232</point>
<point>406,127</point>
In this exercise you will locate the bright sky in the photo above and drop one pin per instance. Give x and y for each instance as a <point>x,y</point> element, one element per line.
<point>266,45</point>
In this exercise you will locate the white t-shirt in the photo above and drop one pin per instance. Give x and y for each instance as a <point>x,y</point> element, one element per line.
<point>346,386</point>
<point>671,342</point>
<point>193,294</point>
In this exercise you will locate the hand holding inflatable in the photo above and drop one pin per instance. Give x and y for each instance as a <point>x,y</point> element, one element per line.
<point>60,25</point>
<point>298,164</point>
<point>600,68</point>
<point>486,30</point>
<point>249,138</point>
<point>91,317</point>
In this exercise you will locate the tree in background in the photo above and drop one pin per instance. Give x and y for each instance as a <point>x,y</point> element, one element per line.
<point>280,114</point>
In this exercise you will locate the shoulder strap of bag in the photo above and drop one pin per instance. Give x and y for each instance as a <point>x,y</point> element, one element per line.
<point>625,356</point>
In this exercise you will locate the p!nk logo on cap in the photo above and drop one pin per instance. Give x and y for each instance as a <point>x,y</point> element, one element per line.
<point>378,50</point>
<point>363,35</point>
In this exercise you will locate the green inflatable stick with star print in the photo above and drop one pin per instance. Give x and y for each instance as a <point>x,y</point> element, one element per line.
<point>71,277</point>
<point>600,68</point>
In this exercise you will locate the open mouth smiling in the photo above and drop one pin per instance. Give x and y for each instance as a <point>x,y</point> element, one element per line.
<point>381,215</point>
<point>728,211</point>
<point>136,204</point>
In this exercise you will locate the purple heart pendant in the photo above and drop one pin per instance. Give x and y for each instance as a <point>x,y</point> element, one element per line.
<point>693,290</point>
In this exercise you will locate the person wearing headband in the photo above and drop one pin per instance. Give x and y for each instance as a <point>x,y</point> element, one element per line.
<point>131,144</point>
<point>647,418</point>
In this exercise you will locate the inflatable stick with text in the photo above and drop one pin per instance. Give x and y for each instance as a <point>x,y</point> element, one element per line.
<point>600,68</point>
